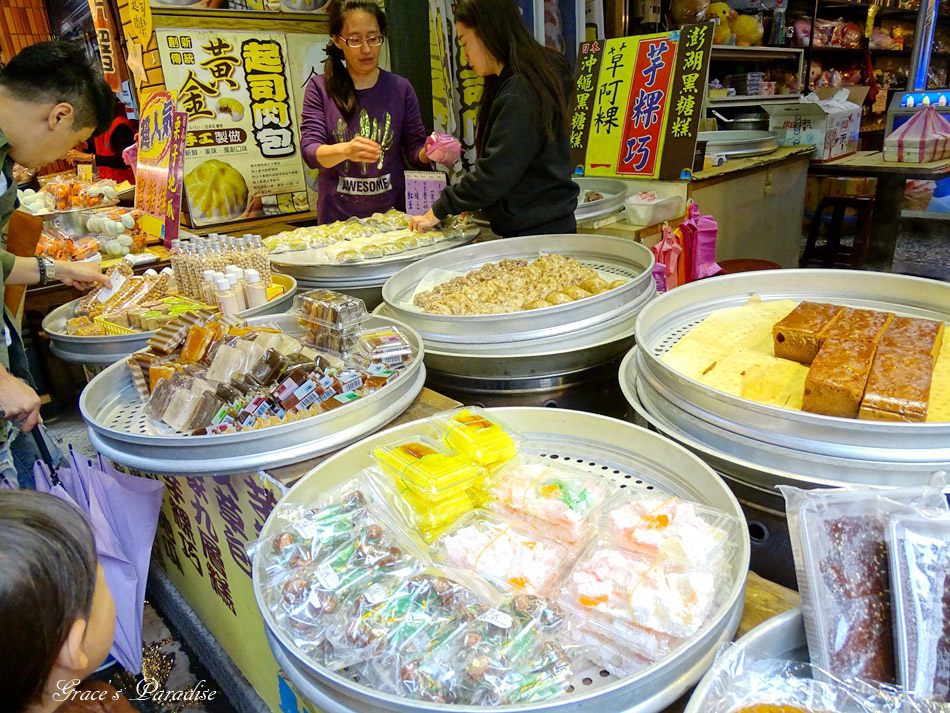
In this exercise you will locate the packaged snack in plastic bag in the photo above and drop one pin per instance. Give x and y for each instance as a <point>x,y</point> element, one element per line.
<point>670,526</point>
<point>919,550</point>
<point>387,345</point>
<point>838,540</point>
<point>475,434</point>
<point>548,497</point>
<point>510,557</point>
<point>330,309</point>
<point>162,393</point>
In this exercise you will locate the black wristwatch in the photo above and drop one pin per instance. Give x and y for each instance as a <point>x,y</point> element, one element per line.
<point>47,269</point>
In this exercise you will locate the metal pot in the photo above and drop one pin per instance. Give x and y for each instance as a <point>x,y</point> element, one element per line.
<point>757,121</point>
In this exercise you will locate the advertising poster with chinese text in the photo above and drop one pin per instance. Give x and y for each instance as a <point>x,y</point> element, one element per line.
<point>156,131</point>
<point>630,95</point>
<point>242,155</point>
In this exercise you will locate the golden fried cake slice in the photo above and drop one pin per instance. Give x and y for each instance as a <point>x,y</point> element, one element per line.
<point>798,335</point>
<point>912,334</point>
<point>835,383</point>
<point>859,325</point>
<point>898,387</point>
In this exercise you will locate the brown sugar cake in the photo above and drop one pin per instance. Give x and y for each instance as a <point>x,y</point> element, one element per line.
<point>835,383</point>
<point>898,387</point>
<point>912,334</point>
<point>798,335</point>
<point>858,324</point>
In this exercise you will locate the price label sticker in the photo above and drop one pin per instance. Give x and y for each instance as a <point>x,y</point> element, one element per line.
<point>327,577</point>
<point>375,594</point>
<point>498,618</point>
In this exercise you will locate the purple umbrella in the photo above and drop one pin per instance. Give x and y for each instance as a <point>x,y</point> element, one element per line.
<point>123,511</point>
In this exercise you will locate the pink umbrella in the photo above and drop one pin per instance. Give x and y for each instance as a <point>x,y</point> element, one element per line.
<point>123,511</point>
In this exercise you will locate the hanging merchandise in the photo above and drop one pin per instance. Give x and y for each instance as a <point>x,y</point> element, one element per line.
<point>698,235</point>
<point>668,251</point>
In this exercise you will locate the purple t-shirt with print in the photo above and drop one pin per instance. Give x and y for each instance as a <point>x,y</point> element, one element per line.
<point>387,112</point>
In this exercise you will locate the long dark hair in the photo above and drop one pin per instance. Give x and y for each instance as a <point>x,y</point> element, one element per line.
<point>48,565</point>
<point>499,25</point>
<point>339,83</point>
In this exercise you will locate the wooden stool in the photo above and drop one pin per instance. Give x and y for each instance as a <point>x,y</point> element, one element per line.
<point>731,267</point>
<point>832,254</point>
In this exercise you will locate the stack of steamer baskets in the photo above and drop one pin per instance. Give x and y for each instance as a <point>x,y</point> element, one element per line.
<point>119,428</point>
<point>621,457</point>
<point>756,447</point>
<point>565,355</point>
<point>362,279</point>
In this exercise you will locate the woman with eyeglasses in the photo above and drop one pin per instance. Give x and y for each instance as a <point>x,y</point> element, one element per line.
<point>522,178</point>
<point>359,122</point>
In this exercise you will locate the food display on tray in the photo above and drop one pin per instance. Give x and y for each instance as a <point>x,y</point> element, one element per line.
<point>113,232</point>
<point>68,193</point>
<point>822,358</point>
<point>198,264</point>
<point>463,569</point>
<point>202,374</point>
<point>358,239</point>
<point>515,286</point>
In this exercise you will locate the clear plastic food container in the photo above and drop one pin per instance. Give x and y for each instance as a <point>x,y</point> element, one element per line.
<point>422,465</point>
<point>387,345</point>
<point>667,525</point>
<point>473,433</point>
<point>510,557</point>
<point>330,309</point>
<point>549,497</point>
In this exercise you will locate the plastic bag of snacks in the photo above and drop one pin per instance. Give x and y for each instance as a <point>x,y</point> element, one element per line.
<point>478,436</point>
<point>919,549</point>
<point>838,540</point>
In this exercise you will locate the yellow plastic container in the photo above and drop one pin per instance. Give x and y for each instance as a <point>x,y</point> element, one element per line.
<point>430,472</point>
<point>471,432</point>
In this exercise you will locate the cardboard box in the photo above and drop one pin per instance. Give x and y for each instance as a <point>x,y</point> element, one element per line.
<point>832,125</point>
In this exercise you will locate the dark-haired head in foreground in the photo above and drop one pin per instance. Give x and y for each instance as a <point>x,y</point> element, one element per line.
<point>52,98</point>
<point>58,615</point>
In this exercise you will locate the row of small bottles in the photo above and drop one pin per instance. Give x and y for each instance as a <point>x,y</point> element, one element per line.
<point>234,290</point>
<point>190,259</point>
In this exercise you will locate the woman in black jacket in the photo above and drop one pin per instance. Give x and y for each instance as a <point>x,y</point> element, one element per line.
<point>522,178</point>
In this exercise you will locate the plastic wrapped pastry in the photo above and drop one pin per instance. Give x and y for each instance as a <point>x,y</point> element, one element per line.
<point>838,540</point>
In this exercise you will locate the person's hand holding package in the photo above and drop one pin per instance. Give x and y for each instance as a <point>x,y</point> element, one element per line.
<point>443,149</point>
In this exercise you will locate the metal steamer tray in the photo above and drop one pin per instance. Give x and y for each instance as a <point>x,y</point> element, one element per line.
<point>781,637</point>
<point>626,456</point>
<point>120,430</point>
<point>366,272</point>
<point>759,443</point>
<point>616,257</point>
<point>104,350</point>
<point>543,357</point>
<point>614,192</point>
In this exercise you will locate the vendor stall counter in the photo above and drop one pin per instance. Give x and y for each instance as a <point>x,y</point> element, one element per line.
<point>757,202</point>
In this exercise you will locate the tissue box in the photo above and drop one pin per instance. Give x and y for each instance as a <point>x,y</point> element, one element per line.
<point>832,125</point>
<point>924,137</point>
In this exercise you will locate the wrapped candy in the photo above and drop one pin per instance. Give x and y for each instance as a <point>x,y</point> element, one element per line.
<point>512,559</point>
